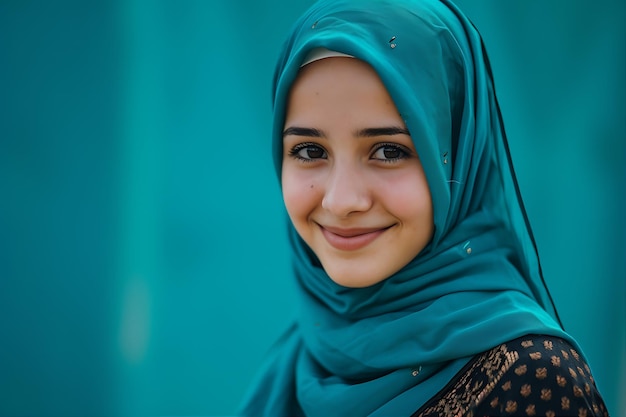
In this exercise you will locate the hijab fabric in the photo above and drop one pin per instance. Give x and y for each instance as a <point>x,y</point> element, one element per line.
<point>386,349</point>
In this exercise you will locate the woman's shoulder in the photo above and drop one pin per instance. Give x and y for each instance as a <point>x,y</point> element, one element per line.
<point>532,375</point>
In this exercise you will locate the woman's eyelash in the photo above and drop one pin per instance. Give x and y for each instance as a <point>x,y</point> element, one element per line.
<point>307,151</point>
<point>391,152</point>
<point>385,152</point>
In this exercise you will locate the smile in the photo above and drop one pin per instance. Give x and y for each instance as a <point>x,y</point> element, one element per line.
<point>351,239</point>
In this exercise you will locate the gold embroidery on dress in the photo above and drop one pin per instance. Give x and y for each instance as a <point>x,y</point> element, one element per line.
<point>526,390</point>
<point>486,372</point>
<point>565,403</point>
<point>577,391</point>
<point>494,403</point>
<point>466,393</point>
<point>527,343</point>
<point>546,394</point>
<point>511,407</point>
<point>541,373</point>
<point>520,370</point>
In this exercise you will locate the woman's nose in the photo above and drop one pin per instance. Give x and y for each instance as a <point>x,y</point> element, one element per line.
<point>346,192</point>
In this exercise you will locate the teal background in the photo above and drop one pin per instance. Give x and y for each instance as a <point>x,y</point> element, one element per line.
<point>143,266</point>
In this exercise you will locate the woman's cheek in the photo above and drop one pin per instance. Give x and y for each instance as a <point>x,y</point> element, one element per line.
<point>299,193</point>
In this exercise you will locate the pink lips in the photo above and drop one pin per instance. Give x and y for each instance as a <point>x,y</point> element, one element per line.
<point>351,239</point>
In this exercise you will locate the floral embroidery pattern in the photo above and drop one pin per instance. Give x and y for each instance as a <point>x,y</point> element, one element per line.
<point>530,376</point>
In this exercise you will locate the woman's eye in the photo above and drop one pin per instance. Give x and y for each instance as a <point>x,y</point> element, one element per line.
<point>389,153</point>
<point>308,152</point>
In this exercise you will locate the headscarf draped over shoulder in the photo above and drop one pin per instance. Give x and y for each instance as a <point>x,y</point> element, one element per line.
<point>386,349</point>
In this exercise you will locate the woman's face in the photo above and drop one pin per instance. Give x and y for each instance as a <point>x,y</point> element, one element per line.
<point>352,181</point>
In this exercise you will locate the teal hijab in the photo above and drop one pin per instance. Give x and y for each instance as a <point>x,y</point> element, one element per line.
<point>385,350</point>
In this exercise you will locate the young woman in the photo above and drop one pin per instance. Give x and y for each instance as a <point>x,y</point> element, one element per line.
<point>419,283</point>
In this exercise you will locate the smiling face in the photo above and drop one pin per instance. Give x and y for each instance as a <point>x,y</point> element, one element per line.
<point>352,181</point>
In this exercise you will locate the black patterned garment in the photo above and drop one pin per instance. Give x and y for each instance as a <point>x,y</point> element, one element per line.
<point>529,376</point>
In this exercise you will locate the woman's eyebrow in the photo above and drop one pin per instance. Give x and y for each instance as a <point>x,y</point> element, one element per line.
<point>382,131</point>
<point>303,131</point>
<point>366,132</point>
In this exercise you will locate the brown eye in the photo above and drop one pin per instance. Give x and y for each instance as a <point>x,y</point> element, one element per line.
<point>308,152</point>
<point>313,152</point>
<point>390,153</point>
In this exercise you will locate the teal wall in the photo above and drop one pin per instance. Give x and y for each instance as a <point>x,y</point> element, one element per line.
<point>143,266</point>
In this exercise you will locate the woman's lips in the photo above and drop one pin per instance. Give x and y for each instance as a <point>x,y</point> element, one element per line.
<point>351,239</point>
